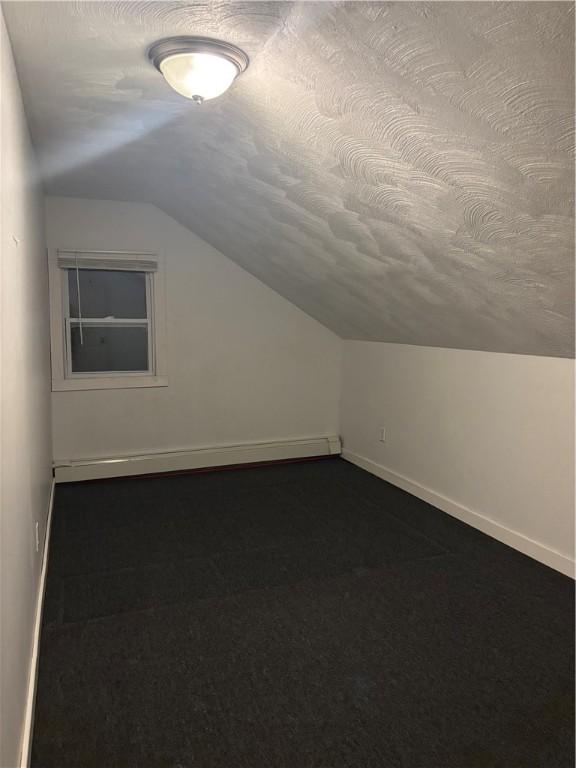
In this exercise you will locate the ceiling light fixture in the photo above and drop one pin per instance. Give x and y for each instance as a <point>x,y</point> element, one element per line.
<point>198,67</point>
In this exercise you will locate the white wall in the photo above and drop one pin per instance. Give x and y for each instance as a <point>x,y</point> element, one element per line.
<point>476,433</point>
<point>25,473</point>
<point>243,363</point>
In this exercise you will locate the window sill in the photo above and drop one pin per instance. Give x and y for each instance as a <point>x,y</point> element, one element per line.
<point>109,382</point>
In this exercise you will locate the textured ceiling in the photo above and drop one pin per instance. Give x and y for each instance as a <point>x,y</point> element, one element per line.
<point>400,171</point>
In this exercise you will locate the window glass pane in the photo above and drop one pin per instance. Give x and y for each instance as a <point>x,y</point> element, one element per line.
<point>108,293</point>
<point>109,348</point>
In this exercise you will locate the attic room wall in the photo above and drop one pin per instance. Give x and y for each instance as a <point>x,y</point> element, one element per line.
<point>488,437</point>
<point>25,466</point>
<point>243,363</point>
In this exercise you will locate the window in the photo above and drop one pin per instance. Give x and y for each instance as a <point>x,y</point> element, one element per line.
<point>108,326</point>
<point>109,330</point>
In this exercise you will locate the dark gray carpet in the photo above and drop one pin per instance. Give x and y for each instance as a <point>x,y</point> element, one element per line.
<point>295,616</point>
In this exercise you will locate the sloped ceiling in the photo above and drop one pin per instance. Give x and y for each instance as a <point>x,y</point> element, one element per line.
<point>400,171</point>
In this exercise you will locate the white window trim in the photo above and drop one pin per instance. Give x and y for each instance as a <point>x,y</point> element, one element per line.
<point>63,380</point>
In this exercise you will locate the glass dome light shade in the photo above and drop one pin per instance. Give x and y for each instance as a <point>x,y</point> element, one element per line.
<point>199,68</point>
<point>199,76</point>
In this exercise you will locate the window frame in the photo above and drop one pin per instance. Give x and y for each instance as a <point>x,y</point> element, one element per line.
<point>63,378</point>
<point>147,322</point>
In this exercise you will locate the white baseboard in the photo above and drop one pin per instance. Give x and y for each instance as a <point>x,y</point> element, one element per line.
<point>518,541</point>
<point>25,752</point>
<point>66,471</point>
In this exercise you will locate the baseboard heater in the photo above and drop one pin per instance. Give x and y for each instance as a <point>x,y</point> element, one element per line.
<point>73,470</point>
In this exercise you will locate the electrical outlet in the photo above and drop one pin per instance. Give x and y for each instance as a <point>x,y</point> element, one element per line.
<point>382,437</point>
<point>37,534</point>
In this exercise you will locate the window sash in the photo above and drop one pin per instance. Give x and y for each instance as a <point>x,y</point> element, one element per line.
<point>109,321</point>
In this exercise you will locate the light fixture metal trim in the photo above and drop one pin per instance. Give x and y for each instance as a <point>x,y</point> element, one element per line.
<point>174,46</point>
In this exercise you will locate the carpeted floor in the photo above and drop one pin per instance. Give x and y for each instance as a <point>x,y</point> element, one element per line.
<point>295,616</point>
